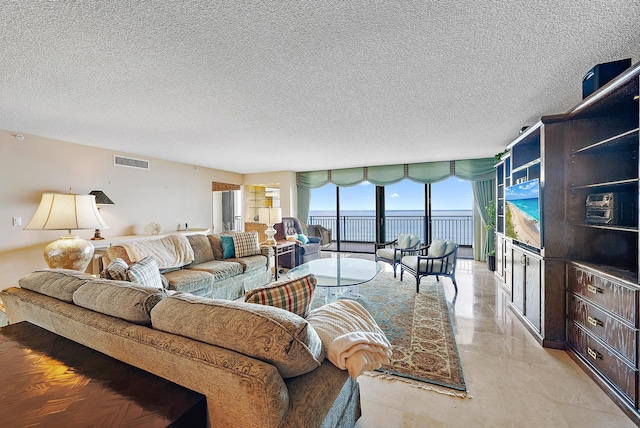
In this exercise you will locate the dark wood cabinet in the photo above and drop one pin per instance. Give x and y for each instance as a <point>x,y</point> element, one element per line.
<point>526,288</point>
<point>535,274</point>
<point>587,161</point>
<point>602,327</point>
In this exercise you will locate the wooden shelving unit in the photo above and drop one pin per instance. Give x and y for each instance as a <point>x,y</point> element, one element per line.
<point>589,292</point>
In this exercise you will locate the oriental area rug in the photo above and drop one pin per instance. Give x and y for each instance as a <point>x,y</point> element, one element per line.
<point>418,325</point>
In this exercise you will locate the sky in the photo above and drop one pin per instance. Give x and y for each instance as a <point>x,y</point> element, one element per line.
<point>450,194</point>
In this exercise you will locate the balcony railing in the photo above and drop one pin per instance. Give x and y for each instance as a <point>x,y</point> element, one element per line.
<point>363,228</point>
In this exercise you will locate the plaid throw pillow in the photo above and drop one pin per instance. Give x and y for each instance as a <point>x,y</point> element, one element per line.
<point>246,244</point>
<point>145,272</point>
<point>293,295</point>
<point>117,270</point>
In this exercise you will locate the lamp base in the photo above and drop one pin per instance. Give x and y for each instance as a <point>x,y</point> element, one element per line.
<point>270,232</point>
<point>69,252</point>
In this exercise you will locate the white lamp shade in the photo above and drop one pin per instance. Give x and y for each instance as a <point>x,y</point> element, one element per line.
<point>67,212</point>
<point>270,215</point>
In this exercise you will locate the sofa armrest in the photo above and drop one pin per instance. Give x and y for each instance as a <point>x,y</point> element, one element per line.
<point>268,253</point>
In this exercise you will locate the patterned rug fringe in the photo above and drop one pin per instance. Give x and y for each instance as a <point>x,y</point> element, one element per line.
<point>420,385</point>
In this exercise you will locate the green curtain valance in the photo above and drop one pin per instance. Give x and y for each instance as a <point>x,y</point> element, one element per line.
<point>426,172</point>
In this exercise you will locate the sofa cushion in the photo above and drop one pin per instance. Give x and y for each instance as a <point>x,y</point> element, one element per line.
<point>56,283</point>
<point>124,300</point>
<point>202,251</point>
<point>251,263</point>
<point>216,246</point>
<point>228,250</point>
<point>269,334</point>
<point>293,295</point>
<point>246,244</point>
<point>145,272</point>
<point>189,280</point>
<point>220,269</point>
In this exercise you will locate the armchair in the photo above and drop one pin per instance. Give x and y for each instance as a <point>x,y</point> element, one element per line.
<point>392,252</point>
<point>304,252</point>
<point>322,232</point>
<point>437,259</point>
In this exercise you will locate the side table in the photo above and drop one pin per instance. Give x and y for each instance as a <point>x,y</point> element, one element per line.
<point>282,248</point>
<point>51,381</point>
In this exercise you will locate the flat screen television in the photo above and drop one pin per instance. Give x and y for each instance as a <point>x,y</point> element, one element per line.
<point>522,216</point>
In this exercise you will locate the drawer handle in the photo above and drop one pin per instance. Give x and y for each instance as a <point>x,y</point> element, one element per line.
<point>593,289</point>
<point>594,321</point>
<point>594,354</point>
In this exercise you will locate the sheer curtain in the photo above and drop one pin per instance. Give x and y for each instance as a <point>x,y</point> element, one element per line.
<point>483,195</point>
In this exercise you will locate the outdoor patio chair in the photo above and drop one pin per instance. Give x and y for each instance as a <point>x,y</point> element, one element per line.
<point>392,252</point>
<point>321,232</point>
<point>437,259</point>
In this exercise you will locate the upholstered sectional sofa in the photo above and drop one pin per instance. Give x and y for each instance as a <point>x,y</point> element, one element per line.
<point>198,264</point>
<point>257,365</point>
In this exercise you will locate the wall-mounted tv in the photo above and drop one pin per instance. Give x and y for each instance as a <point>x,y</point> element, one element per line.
<point>522,216</point>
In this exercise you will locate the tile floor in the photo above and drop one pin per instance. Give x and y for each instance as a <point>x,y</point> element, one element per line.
<point>512,380</point>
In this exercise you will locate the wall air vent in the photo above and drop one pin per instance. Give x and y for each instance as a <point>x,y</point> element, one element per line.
<point>130,162</point>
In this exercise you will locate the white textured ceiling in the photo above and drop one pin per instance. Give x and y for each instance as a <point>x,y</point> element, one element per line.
<point>255,86</point>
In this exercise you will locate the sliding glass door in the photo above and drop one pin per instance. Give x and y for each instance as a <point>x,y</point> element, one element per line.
<point>405,210</point>
<point>364,214</point>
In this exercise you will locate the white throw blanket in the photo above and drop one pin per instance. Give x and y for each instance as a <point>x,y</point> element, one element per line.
<point>352,339</point>
<point>171,251</point>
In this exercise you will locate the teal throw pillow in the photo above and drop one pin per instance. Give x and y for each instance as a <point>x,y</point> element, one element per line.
<point>303,238</point>
<point>228,250</point>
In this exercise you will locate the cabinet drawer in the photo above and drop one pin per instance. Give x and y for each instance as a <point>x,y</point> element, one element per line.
<point>618,335</point>
<point>603,360</point>
<point>614,296</point>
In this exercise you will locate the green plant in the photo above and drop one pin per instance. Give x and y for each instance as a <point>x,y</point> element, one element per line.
<point>491,253</point>
<point>491,216</point>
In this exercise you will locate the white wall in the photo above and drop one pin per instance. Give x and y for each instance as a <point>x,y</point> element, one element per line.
<point>170,193</point>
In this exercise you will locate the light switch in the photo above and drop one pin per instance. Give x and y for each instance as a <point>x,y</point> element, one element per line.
<point>17,221</point>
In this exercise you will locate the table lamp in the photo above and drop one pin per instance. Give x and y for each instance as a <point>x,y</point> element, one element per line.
<point>67,212</point>
<point>101,199</point>
<point>270,216</point>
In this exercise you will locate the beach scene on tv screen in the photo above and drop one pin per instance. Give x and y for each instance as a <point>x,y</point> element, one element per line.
<point>523,213</point>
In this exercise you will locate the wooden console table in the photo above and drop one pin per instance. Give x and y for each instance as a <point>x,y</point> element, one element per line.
<point>48,380</point>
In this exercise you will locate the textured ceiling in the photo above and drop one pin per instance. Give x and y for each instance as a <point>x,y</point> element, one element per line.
<point>255,86</point>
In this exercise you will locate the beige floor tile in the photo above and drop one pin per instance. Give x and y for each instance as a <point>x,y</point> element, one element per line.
<point>511,379</point>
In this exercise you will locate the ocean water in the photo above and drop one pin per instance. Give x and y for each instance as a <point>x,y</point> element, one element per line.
<point>359,225</point>
<point>390,213</point>
<point>530,207</point>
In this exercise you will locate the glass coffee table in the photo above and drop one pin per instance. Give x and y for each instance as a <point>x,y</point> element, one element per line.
<point>338,275</point>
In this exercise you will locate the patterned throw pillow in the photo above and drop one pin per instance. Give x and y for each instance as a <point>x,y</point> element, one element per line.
<point>293,295</point>
<point>246,244</point>
<point>145,272</point>
<point>228,250</point>
<point>117,270</point>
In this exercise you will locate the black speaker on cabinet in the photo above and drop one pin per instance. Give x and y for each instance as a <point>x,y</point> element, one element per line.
<point>599,75</point>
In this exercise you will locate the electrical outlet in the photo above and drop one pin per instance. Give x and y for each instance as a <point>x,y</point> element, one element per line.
<point>17,221</point>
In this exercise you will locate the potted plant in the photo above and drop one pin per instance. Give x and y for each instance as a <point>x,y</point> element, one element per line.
<point>491,226</point>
